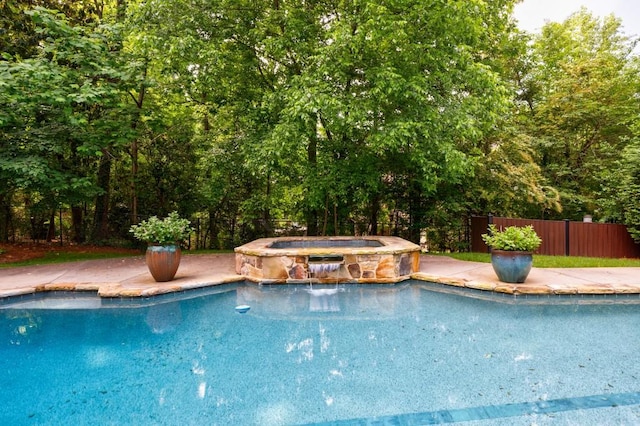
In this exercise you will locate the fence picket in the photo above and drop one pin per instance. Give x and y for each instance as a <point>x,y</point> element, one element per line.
<point>586,239</point>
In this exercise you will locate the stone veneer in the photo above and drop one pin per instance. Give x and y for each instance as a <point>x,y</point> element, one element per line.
<point>394,260</point>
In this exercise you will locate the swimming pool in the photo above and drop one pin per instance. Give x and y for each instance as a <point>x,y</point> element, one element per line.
<point>397,354</point>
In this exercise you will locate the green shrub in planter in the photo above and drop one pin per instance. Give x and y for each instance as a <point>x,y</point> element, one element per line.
<point>512,238</point>
<point>511,250</point>
<point>171,230</point>
<point>163,237</point>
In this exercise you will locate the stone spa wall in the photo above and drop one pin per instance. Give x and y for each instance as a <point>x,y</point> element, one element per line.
<point>328,259</point>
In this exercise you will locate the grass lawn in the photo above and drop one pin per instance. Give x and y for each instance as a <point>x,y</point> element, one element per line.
<point>61,255</point>
<point>541,261</point>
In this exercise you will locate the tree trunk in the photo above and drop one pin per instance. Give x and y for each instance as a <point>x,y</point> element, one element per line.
<point>416,213</point>
<point>373,214</point>
<point>267,229</point>
<point>213,230</point>
<point>139,101</point>
<point>326,217</point>
<point>121,10</point>
<point>134,175</point>
<point>101,216</point>
<point>5,216</point>
<point>311,213</point>
<point>77,224</point>
<point>51,230</point>
<point>311,217</point>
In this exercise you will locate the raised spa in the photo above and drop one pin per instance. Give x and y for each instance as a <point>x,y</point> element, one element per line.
<point>328,259</point>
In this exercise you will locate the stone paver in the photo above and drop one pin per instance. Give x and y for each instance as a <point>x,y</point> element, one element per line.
<point>559,281</point>
<point>129,277</point>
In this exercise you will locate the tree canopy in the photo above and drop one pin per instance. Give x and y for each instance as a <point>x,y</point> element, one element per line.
<point>584,112</point>
<point>325,117</point>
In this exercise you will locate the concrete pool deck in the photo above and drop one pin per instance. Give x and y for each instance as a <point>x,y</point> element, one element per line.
<point>129,277</point>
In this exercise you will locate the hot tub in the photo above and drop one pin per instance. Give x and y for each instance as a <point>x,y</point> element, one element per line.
<point>328,259</point>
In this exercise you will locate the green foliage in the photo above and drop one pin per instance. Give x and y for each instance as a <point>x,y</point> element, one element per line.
<point>171,230</point>
<point>629,194</point>
<point>584,105</point>
<point>512,238</point>
<point>620,196</point>
<point>343,116</point>
<point>20,37</point>
<point>60,111</point>
<point>508,179</point>
<point>342,102</point>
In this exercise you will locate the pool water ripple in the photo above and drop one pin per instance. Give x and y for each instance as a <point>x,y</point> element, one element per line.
<point>374,354</point>
<point>489,412</point>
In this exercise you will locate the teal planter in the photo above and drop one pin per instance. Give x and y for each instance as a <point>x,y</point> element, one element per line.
<point>511,266</point>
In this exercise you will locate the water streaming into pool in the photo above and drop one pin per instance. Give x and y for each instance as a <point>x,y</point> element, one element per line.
<point>403,353</point>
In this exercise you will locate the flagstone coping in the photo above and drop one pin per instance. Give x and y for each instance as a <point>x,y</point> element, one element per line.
<point>129,278</point>
<point>532,289</point>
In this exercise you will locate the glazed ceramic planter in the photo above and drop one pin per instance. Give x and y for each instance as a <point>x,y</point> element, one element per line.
<point>511,266</point>
<point>163,261</point>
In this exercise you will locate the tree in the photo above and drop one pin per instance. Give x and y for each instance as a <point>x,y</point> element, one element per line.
<point>20,36</point>
<point>620,195</point>
<point>629,189</point>
<point>350,103</point>
<point>587,100</point>
<point>58,114</point>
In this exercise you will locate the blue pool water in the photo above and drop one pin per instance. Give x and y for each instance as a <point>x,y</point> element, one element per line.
<point>402,354</point>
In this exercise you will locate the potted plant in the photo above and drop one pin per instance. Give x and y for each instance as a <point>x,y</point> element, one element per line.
<point>163,238</point>
<point>512,251</point>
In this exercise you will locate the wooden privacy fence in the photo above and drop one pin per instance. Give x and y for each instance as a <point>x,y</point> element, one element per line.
<point>562,237</point>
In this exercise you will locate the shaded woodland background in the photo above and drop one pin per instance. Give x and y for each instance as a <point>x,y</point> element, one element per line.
<point>259,118</point>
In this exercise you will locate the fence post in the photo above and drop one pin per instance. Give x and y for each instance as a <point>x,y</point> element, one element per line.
<point>567,245</point>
